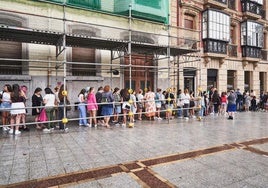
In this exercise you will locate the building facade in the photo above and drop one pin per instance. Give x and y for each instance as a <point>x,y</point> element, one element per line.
<point>134,44</point>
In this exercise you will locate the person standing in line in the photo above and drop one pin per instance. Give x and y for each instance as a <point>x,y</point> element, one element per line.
<point>179,104</point>
<point>6,103</point>
<point>223,107</point>
<point>216,102</point>
<point>37,101</point>
<point>82,108</point>
<point>125,105</point>
<point>139,104</point>
<point>133,106</point>
<point>49,101</point>
<point>99,98</point>
<point>61,109</point>
<point>23,93</point>
<point>231,107</point>
<point>107,105</point>
<point>150,104</point>
<point>92,107</point>
<point>117,105</point>
<point>185,97</point>
<point>17,109</point>
<point>169,103</point>
<point>158,103</point>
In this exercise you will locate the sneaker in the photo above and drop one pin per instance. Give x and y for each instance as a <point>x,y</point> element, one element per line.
<point>159,118</point>
<point>117,124</point>
<point>95,125</point>
<point>186,118</point>
<point>17,132</point>
<point>80,124</point>
<point>123,125</point>
<point>46,130</point>
<point>10,131</point>
<point>6,128</point>
<point>64,130</point>
<point>88,125</point>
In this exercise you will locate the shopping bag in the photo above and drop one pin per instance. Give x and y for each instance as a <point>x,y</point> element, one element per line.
<point>42,116</point>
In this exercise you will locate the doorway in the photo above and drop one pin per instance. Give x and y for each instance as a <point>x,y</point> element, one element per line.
<point>142,76</point>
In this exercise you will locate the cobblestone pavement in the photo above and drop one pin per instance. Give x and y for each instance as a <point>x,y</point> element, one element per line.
<point>214,152</point>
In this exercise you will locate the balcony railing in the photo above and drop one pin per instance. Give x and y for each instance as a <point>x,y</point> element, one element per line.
<point>250,51</point>
<point>231,4</point>
<point>264,55</point>
<point>252,7</point>
<point>214,46</point>
<point>232,50</point>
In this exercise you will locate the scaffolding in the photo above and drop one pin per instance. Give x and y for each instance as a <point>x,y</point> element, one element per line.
<point>171,42</point>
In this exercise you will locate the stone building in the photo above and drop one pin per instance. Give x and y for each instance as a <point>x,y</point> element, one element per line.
<point>134,44</point>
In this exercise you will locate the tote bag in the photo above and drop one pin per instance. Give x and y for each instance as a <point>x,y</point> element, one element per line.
<point>42,116</point>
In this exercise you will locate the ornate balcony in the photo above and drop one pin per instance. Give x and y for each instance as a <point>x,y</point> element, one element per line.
<point>232,50</point>
<point>251,52</point>
<point>251,9</point>
<point>215,46</point>
<point>221,4</point>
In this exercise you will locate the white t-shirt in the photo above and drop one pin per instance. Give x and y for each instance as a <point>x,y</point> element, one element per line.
<point>6,97</point>
<point>185,98</point>
<point>50,100</point>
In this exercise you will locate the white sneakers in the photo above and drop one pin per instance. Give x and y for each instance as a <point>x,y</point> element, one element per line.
<point>16,132</point>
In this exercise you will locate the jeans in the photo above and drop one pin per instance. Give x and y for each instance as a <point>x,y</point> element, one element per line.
<point>50,116</point>
<point>202,110</point>
<point>179,112</point>
<point>82,114</point>
<point>186,111</point>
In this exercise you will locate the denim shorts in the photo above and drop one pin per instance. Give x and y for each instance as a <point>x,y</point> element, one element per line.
<point>5,105</point>
<point>117,109</point>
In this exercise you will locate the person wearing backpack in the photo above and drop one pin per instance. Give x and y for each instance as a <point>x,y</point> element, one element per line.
<point>117,105</point>
<point>107,105</point>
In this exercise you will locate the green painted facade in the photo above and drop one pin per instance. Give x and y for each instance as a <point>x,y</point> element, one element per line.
<point>153,10</point>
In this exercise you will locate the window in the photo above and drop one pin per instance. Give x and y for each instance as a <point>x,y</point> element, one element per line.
<point>216,25</point>
<point>83,55</point>
<point>189,22</point>
<point>252,34</point>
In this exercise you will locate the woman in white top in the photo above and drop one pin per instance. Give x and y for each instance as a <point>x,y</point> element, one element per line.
<point>185,97</point>
<point>49,100</point>
<point>6,103</point>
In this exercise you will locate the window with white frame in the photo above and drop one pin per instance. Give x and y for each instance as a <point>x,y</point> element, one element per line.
<point>215,25</point>
<point>252,34</point>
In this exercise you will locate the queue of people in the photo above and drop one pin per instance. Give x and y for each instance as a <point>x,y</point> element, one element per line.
<point>110,106</point>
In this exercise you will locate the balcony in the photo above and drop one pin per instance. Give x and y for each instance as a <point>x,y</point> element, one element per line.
<point>264,55</point>
<point>215,46</point>
<point>251,52</point>
<point>185,38</point>
<point>251,9</point>
<point>221,4</point>
<point>232,50</point>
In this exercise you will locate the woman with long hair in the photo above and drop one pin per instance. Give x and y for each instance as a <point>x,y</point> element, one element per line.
<point>37,101</point>
<point>125,105</point>
<point>150,108</point>
<point>82,108</point>
<point>92,107</point>
<point>5,104</point>
<point>17,109</point>
<point>49,101</point>
<point>117,105</point>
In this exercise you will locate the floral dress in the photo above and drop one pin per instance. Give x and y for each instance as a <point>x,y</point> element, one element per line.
<point>150,104</point>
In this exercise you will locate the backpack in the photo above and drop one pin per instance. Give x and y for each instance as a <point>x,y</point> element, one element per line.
<point>104,98</point>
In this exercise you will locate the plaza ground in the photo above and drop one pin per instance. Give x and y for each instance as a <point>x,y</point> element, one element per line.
<point>214,152</point>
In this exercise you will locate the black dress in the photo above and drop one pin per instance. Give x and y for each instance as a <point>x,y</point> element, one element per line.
<point>36,101</point>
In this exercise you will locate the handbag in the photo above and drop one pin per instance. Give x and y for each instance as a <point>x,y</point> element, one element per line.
<point>42,116</point>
